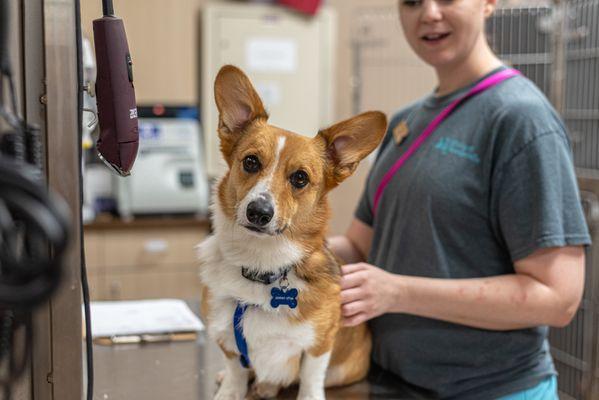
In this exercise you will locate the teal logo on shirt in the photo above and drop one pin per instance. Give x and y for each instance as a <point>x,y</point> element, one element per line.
<point>453,146</point>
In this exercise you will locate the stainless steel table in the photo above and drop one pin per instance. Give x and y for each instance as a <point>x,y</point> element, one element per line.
<point>187,371</point>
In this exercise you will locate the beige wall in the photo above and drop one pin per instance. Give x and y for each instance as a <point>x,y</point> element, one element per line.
<point>163,40</point>
<point>164,43</point>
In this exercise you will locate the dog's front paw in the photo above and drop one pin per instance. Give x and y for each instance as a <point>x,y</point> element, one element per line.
<point>263,390</point>
<point>312,395</point>
<point>231,390</point>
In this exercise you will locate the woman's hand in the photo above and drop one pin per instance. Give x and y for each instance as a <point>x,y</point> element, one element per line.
<point>366,292</point>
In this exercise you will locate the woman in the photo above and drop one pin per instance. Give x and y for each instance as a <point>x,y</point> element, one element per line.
<point>476,243</point>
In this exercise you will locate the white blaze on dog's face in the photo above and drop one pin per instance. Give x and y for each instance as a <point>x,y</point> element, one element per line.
<point>277,180</point>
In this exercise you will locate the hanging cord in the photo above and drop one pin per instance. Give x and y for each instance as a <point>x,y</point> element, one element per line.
<point>10,323</point>
<point>33,239</point>
<point>6,337</point>
<point>33,221</point>
<point>107,8</point>
<point>34,227</point>
<point>84,284</point>
<point>11,117</point>
<point>13,141</point>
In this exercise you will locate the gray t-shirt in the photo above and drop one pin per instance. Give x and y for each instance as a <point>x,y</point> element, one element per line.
<point>491,185</point>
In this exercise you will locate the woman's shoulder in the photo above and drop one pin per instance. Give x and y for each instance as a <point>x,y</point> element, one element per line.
<point>520,113</point>
<point>519,101</point>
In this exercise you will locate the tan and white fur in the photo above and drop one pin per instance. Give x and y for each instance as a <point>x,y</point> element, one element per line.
<point>288,175</point>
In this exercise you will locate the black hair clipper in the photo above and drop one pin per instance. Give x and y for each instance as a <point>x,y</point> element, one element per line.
<point>117,112</point>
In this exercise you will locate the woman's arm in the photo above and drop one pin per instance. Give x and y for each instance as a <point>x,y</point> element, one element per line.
<point>545,290</point>
<point>354,246</point>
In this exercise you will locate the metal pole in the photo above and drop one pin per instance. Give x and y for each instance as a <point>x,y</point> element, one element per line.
<point>558,44</point>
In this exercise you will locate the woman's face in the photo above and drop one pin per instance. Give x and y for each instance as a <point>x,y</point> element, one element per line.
<point>444,32</point>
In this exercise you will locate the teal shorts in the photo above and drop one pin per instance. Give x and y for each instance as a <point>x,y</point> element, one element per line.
<point>546,390</point>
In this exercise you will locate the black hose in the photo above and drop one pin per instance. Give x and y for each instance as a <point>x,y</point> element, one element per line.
<point>84,284</point>
<point>107,8</point>
<point>4,30</point>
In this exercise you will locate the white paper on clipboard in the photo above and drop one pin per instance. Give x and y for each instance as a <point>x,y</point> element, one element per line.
<point>271,55</point>
<point>117,318</point>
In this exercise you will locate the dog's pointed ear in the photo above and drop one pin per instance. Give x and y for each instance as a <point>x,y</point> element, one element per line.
<point>237,102</point>
<point>349,141</point>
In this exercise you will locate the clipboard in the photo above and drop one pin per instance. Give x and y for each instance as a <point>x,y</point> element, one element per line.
<point>146,339</point>
<point>143,322</point>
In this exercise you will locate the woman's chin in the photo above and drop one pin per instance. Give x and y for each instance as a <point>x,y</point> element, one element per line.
<point>440,60</point>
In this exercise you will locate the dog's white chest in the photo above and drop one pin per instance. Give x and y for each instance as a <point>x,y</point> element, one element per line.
<point>264,330</point>
<point>272,341</point>
<point>271,337</point>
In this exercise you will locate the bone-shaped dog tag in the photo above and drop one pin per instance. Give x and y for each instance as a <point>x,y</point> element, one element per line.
<point>283,297</point>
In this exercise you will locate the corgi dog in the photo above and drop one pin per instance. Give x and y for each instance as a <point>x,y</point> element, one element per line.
<point>270,287</point>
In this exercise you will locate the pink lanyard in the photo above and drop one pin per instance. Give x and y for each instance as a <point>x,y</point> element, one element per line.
<point>483,85</point>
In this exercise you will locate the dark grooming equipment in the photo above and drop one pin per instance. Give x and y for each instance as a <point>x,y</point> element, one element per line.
<point>119,137</point>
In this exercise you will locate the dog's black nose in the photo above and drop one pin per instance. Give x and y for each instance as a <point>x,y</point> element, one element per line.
<point>260,212</point>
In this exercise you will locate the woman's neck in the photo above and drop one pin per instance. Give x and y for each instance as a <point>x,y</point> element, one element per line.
<point>480,62</point>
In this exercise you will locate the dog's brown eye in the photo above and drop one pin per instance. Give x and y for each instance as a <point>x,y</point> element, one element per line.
<point>251,164</point>
<point>299,179</point>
